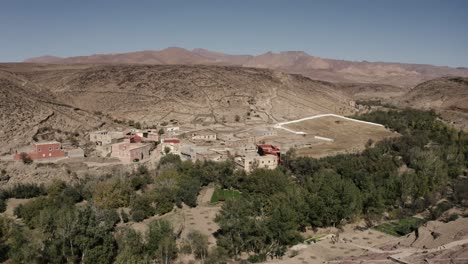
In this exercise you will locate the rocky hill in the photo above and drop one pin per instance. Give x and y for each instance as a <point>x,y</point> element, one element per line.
<point>447,95</point>
<point>397,74</point>
<point>80,96</point>
<point>28,109</point>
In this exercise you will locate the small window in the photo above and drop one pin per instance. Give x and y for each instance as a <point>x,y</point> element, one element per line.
<point>57,148</point>
<point>50,149</point>
<point>38,149</point>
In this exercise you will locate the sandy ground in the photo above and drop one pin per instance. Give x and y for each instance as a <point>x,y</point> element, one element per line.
<point>12,203</point>
<point>348,136</point>
<point>371,246</point>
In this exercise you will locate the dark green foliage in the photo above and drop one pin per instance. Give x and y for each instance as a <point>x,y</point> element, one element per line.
<point>223,195</point>
<point>401,227</point>
<point>161,241</point>
<point>2,205</point>
<point>25,158</point>
<point>439,209</point>
<point>452,217</point>
<point>124,216</point>
<point>141,208</point>
<point>199,244</point>
<point>141,178</point>
<point>27,190</point>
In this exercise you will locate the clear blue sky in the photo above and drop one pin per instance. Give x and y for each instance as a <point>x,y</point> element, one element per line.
<point>419,31</point>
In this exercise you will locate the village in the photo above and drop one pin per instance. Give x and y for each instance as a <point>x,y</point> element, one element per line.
<point>250,146</point>
<point>130,145</point>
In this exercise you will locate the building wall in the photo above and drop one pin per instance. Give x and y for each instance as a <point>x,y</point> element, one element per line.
<point>262,162</point>
<point>140,153</point>
<point>207,137</point>
<point>44,151</point>
<point>101,137</point>
<point>126,152</point>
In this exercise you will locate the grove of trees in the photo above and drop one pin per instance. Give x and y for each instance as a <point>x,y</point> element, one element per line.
<point>81,222</point>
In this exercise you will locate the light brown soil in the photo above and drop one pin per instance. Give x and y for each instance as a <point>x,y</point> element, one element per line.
<point>348,136</point>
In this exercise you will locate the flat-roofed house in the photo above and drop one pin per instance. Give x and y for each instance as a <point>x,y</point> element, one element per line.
<point>128,152</point>
<point>43,150</point>
<point>148,135</point>
<point>206,135</point>
<point>104,137</point>
<point>251,162</point>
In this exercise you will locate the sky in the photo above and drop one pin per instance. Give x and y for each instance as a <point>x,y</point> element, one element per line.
<point>411,31</point>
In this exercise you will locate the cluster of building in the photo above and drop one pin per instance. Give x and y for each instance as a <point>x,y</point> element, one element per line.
<point>128,146</point>
<point>200,145</point>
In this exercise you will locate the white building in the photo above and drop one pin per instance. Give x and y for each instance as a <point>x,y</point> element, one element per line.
<point>206,135</point>
<point>251,162</point>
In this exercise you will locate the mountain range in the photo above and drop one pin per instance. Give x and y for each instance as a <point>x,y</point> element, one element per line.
<point>299,62</point>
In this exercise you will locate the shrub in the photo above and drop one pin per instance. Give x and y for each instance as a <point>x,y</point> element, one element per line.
<point>2,205</point>
<point>138,215</point>
<point>141,208</point>
<point>27,190</point>
<point>439,210</point>
<point>25,158</point>
<point>124,216</point>
<point>452,217</point>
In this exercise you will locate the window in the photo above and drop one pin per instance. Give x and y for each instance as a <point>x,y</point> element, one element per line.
<point>57,148</point>
<point>38,149</point>
<point>50,149</point>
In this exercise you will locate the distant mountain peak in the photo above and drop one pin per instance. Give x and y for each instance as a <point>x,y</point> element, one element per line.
<point>299,62</point>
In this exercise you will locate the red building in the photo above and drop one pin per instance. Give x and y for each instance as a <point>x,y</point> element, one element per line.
<point>264,149</point>
<point>134,138</point>
<point>43,150</point>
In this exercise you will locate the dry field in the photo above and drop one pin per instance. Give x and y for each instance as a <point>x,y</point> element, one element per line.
<point>372,246</point>
<point>348,136</point>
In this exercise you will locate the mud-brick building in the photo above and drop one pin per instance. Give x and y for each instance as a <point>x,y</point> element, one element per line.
<point>42,150</point>
<point>206,135</point>
<point>128,152</point>
<point>251,161</point>
<point>172,144</point>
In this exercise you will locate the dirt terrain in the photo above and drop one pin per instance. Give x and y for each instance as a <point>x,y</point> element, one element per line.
<point>79,98</point>
<point>371,246</point>
<point>348,136</point>
<point>448,96</point>
<point>398,74</point>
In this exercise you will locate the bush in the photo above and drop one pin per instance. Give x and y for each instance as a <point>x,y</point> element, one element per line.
<point>138,215</point>
<point>141,208</point>
<point>402,227</point>
<point>257,258</point>
<point>2,205</point>
<point>439,210</point>
<point>452,217</point>
<point>124,216</point>
<point>26,190</point>
<point>25,158</point>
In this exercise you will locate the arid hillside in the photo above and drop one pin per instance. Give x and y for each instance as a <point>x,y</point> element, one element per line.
<point>26,108</point>
<point>448,96</point>
<point>397,74</point>
<point>204,94</point>
<point>84,97</point>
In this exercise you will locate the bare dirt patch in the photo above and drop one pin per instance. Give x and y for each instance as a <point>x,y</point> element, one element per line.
<point>348,136</point>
